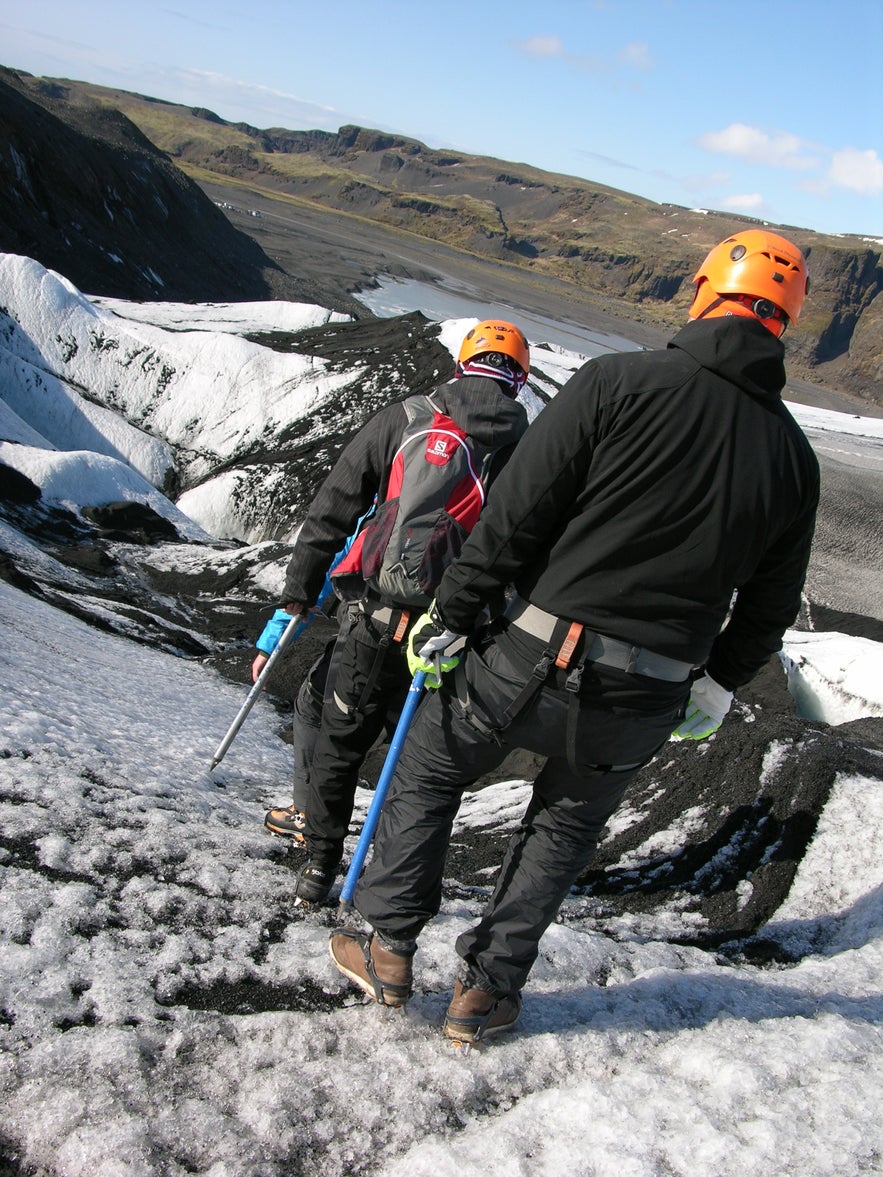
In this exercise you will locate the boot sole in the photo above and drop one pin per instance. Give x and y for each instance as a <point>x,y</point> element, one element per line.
<point>474,1030</point>
<point>295,836</point>
<point>467,1036</point>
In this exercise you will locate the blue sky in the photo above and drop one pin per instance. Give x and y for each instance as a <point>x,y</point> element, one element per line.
<point>774,109</point>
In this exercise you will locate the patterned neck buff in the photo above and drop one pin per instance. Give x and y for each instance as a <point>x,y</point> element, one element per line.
<point>510,379</point>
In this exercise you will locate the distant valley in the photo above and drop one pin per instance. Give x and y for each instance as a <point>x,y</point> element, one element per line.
<point>403,208</point>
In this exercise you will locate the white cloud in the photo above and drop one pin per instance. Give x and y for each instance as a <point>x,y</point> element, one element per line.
<point>705,180</point>
<point>219,88</point>
<point>747,202</point>
<point>637,55</point>
<point>860,171</point>
<point>633,56</point>
<point>611,161</point>
<point>542,47</point>
<point>776,149</point>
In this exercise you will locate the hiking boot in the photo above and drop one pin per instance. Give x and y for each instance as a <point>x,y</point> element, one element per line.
<point>474,1014</point>
<point>385,976</point>
<point>314,881</point>
<point>289,822</point>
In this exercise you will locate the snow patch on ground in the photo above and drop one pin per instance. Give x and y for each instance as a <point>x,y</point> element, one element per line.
<point>152,874</point>
<point>83,478</point>
<point>833,676</point>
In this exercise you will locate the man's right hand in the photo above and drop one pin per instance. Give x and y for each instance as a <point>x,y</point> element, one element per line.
<point>296,609</point>
<point>708,705</point>
<point>427,640</point>
<point>258,665</point>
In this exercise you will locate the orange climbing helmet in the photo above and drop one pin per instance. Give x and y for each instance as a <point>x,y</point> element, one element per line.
<point>762,268</point>
<point>494,337</point>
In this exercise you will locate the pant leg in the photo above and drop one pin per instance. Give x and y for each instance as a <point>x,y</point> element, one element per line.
<point>401,887</point>
<point>351,722</point>
<point>446,750</point>
<point>622,721</point>
<point>307,718</point>
<point>305,726</point>
<point>553,845</point>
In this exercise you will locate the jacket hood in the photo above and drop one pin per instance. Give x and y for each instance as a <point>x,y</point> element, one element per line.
<point>479,407</point>
<point>740,350</point>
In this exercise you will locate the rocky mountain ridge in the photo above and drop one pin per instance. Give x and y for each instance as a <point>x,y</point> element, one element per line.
<point>85,193</point>
<point>622,249</point>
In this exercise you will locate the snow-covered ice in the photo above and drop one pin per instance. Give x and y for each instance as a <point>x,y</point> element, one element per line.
<point>636,1057</point>
<point>142,904</point>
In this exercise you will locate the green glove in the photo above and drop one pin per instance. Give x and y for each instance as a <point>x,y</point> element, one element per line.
<point>709,703</point>
<point>428,639</point>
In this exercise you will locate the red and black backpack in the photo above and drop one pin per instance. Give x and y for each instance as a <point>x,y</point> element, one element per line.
<point>436,490</point>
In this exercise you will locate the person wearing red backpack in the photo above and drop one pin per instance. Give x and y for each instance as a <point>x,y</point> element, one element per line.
<point>288,820</point>
<point>650,491</point>
<point>429,460</point>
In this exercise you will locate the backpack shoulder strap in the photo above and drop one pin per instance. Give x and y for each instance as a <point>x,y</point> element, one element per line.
<point>417,407</point>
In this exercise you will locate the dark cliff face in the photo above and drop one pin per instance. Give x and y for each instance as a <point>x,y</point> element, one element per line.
<point>85,193</point>
<point>848,285</point>
<point>851,282</point>
<point>82,187</point>
<point>567,228</point>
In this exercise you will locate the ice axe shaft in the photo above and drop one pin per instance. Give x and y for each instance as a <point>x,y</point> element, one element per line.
<point>291,632</point>
<point>386,774</point>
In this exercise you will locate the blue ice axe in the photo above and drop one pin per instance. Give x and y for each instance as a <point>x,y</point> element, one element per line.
<point>290,634</point>
<point>386,774</point>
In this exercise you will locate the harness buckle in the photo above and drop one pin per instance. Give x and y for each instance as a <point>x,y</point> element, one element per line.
<point>542,668</point>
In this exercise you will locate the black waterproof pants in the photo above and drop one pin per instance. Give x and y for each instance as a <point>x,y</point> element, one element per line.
<point>305,724</point>
<point>623,719</point>
<point>371,680</point>
<point>308,704</point>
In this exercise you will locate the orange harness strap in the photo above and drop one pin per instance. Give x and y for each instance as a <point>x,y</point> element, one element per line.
<point>565,652</point>
<point>402,627</point>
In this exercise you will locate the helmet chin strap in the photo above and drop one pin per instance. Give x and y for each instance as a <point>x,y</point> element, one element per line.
<point>712,306</point>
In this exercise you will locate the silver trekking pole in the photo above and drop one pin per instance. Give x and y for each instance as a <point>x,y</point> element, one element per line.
<point>291,632</point>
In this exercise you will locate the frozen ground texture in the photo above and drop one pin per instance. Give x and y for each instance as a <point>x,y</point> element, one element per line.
<point>709,1003</point>
<point>137,895</point>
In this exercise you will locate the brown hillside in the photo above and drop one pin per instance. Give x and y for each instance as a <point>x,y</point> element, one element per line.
<point>601,241</point>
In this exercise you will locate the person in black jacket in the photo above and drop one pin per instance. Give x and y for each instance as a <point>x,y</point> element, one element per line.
<point>649,492</point>
<point>371,675</point>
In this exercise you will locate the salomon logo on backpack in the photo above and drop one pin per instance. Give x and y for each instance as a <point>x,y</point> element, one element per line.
<point>435,494</point>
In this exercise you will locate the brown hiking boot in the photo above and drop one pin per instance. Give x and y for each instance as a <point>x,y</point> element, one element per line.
<point>385,976</point>
<point>289,822</point>
<point>474,1014</point>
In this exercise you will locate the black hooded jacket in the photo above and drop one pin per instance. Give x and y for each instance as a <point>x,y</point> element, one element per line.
<point>362,471</point>
<point>653,486</point>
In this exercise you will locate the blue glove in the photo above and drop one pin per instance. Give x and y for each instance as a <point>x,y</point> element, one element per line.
<point>272,632</point>
<point>428,639</point>
<point>708,705</point>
